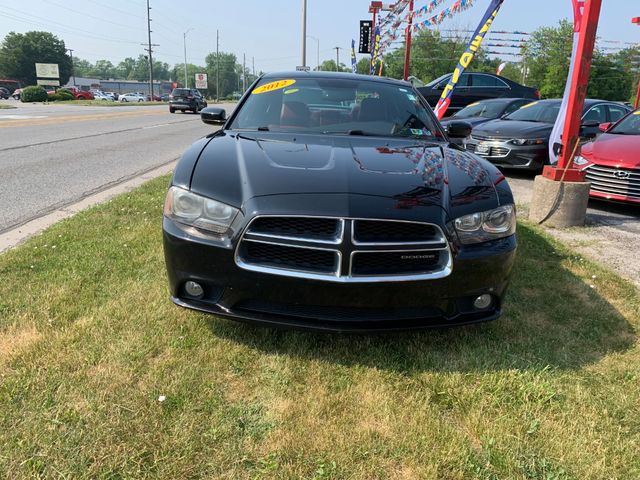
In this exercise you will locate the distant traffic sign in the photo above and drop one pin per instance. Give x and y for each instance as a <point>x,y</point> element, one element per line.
<point>303,69</point>
<point>201,80</point>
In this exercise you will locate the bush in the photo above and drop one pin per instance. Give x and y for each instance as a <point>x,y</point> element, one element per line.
<point>64,94</point>
<point>34,93</point>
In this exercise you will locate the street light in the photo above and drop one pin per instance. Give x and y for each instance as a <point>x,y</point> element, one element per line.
<point>304,33</point>
<point>318,50</point>
<point>184,38</point>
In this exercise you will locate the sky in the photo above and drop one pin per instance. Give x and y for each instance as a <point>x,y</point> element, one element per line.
<point>266,32</point>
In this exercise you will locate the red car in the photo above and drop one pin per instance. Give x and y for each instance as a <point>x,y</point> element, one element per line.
<point>80,94</point>
<point>612,161</point>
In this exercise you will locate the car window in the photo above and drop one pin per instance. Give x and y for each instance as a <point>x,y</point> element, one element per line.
<point>628,126</point>
<point>479,80</point>
<point>481,109</point>
<point>616,112</point>
<point>597,113</point>
<point>336,106</point>
<point>515,106</point>
<point>546,112</point>
<point>462,82</point>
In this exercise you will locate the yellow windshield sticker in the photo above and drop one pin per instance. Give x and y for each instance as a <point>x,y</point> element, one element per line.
<point>473,104</point>
<point>292,90</point>
<point>270,87</point>
<point>637,113</point>
<point>529,105</point>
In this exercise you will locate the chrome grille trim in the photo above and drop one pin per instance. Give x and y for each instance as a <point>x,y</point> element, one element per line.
<point>345,249</point>
<point>604,180</point>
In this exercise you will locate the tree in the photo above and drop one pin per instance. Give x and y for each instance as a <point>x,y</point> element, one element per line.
<point>20,52</point>
<point>330,66</point>
<point>229,79</point>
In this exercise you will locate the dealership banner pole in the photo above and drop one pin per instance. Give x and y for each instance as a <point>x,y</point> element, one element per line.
<point>577,95</point>
<point>558,127</point>
<point>467,56</point>
<point>637,22</point>
<point>407,50</point>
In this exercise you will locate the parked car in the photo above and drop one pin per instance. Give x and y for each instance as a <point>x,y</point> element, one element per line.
<point>485,110</point>
<point>186,99</point>
<point>132,97</point>
<point>351,214</point>
<point>521,139</point>
<point>612,162</point>
<point>156,98</point>
<point>165,97</point>
<point>112,95</point>
<point>4,93</point>
<point>102,96</point>
<point>79,94</point>
<point>473,87</point>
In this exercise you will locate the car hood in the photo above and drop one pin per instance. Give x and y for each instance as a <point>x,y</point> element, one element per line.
<point>514,129</point>
<point>614,150</point>
<point>234,168</point>
<point>473,121</point>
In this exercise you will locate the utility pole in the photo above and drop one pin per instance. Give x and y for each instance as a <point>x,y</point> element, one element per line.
<point>244,73</point>
<point>304,33</point>
<point>337,58</point>
<point>150,50</point>
<point>217,65</point>
<point>253,64</point>
<point>73,68</point>
<point>186,78</point>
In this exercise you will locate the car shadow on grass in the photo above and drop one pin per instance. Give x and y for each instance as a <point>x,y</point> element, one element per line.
<point>553,317</point>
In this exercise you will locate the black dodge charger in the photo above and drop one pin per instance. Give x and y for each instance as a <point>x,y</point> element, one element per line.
<point>336,202</point>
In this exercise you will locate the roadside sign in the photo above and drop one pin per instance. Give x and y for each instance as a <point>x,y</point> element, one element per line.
<point>49,83</point>
<point>201,80</point>
<point>365,36</point>
<point>303,69</point>
<point>47,70</point>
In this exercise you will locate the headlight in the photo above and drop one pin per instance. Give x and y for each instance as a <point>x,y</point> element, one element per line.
<point>197,211</point>
<point>579,161</point>
<point>527,141</point>
<point>485,226</point>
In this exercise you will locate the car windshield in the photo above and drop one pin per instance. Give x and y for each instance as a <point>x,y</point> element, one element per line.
<point>545,112</point>
<point>336,106</point>
<point>628,126</point>
<point>482,109</point>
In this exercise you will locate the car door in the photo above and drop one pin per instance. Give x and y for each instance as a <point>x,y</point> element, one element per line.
<point>485,87</point>
<point>461,94</point>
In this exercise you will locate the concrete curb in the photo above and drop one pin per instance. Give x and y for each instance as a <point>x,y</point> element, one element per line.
<point>19,234</point>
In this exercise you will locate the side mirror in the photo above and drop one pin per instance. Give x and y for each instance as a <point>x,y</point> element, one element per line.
<point>587,129</point>
<point>603,127</point>
<point>213,115</point>
<point>458,129</point>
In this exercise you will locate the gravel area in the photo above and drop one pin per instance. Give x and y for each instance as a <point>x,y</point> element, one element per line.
<point>611,235</point>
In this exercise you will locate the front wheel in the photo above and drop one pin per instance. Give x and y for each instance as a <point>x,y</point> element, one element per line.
<point>172,110</point>
<point>140,100</point>
<point>124,100</point>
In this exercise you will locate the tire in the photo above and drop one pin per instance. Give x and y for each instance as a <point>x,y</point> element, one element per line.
<point>172,110</point>
<point>124,100</point>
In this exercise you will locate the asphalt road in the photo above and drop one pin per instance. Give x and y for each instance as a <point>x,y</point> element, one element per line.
<point>55,155</point>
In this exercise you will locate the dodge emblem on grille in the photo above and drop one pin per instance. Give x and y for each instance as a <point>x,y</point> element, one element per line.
<point>621,174</point>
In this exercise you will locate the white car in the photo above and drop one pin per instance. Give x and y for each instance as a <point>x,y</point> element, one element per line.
<point>102,96</point>
<point>132,97</point>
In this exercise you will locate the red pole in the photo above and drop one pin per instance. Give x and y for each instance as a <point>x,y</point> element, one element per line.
<point>407,53</point>
<point>579,82</point>
<point>637,22</point>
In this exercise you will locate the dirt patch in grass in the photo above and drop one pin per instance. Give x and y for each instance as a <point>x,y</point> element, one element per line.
<point>15,339</point>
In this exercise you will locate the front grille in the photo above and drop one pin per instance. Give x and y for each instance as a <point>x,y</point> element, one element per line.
<point>376,231</point>
<point>315,228</point>
<point>471,147</point>
<point>288,257</point>
<point>344,249</point>
<point>614,181</point>
<point>499,152</point>
<point>394,263</point>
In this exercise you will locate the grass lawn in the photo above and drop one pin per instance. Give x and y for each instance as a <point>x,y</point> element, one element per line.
<point>90,343</point>
<point>6,107</point>
<point>104,103</point>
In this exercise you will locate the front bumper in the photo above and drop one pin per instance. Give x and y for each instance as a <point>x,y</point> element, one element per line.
<point>274,300</point>
<point>503,154</point>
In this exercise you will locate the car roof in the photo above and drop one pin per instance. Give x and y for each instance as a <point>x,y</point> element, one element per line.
<point>332,75</point>
<point>504,100</point>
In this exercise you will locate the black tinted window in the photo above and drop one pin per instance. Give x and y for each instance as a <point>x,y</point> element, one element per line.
<point>486,81</point>
<point>180,91</point>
